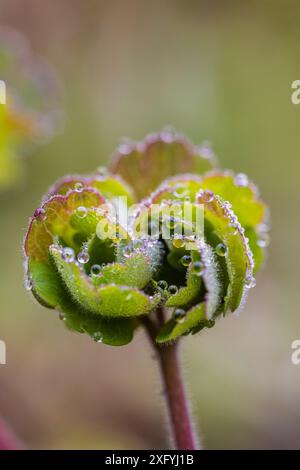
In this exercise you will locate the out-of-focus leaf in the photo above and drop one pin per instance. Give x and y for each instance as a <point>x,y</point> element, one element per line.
<point>145,164</point>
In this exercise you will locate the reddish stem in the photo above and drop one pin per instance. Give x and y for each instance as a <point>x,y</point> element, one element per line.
<point>177,402</point>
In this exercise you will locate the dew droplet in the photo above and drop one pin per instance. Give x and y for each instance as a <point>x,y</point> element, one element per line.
<point>241,180</point>
<point>206,151</point>
<point>127,251</point>
<point>83,257</point>
<point>96,270</point>
<point>68,255</point>
<point>178,241</point>
<point>250,282</point>
<point>97,336</point>
<point>28,284</point>
<point>167,136</point>
<point>78,187</point>
<point>179,315</point>
<point>262,228</point>
<point>162,284</point>
<point>186,260</point>
<point>197,268</point>
<point>221,249</point>
<point>125,148</point>
<point>173,289</point>
<point>264,240</point>
<point>102,170</point>
<point>81,212</point>
<point>207,196</point>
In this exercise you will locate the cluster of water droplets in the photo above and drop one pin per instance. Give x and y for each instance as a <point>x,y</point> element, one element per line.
<point>236,228</point>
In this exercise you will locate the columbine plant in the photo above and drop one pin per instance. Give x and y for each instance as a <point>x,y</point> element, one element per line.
<point>162,267</point>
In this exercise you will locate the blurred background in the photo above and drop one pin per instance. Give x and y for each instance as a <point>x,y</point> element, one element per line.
<point>217,71</point>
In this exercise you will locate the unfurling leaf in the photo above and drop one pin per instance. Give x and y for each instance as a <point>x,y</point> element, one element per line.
<point>105,268</point>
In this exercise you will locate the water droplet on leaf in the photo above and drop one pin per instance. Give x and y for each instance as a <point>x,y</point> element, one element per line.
<point>207,196</point>
<point>179,315</point>
<point>127,251</point>
<point>241,180</point>
<point>83,257</point>
<point>197,268</point>
<point>173,289</point>
<point>97,336</point>
<point>96,270</point>
<point>264,240</point>
<point>162,284</point>
<point>81,212</point>
<point>68,255</point>
<point>28,284</point>
<point>186,260</point>
<point>178,241</point>
<point>78,187</point>
<point>221,249</point>
<point>102,170</point>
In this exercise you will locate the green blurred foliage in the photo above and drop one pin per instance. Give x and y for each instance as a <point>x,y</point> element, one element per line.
<point>217,71</point>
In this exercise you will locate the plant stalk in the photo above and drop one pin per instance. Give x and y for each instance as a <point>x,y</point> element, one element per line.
<point>181,424</point>
<point>176,397</point>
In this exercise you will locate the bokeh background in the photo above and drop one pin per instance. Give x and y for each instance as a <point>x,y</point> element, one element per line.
<point>218,71</point>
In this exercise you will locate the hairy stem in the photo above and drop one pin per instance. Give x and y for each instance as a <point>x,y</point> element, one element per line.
<point>174,389</point>
<point>8,440</point>
<point>177,402</point>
